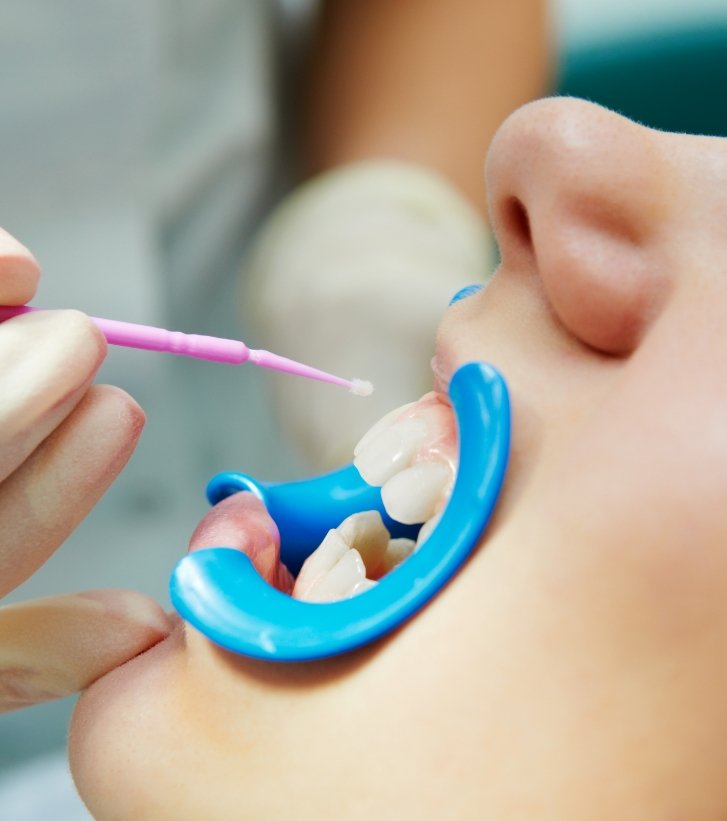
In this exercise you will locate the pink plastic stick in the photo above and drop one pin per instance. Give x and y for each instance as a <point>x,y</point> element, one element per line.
<point>215,349</point>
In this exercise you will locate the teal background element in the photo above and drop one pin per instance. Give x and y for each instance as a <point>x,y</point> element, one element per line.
<point>671,80</point>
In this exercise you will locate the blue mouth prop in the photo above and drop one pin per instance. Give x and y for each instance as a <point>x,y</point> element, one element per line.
<point>219,592</point>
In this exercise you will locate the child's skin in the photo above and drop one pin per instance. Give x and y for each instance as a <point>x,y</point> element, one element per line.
<point>576,667</point>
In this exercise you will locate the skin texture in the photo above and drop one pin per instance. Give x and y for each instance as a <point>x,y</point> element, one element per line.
<point>62,443</point>
<point>575,668</point>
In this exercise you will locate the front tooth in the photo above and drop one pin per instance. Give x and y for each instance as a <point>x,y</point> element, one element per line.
<point>320,562</point>
<point>391,450</point>
<point>412,495</point>
<point>367,533</point>
<point>386,421</point>
<point>343,580</point>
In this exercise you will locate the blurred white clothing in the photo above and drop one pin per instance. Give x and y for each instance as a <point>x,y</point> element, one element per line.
<point>134,137</point>
<point>137,143</point>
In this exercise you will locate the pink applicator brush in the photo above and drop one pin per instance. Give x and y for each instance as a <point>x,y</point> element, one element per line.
<point>212,348</point>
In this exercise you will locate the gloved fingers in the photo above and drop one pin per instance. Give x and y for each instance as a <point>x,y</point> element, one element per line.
<point>19,272</point>
<point>47,361</point>
<point>326,422</point>
<point>352,274</point>
<point>54,489</point>
<point>53,647</point>
<point>61,445</point>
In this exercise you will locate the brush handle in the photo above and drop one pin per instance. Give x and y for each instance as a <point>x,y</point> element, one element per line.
<point>211,348</point>
<point>146,337</point>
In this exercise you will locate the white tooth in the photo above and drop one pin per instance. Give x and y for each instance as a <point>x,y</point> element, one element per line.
<point>412,495</point>
<point>383,423</point>
<point>391,450</point>
<point>397,551</point>
<point>366,533</point>
<point>340,582</point>
<point>426,529</point>
<point>320,561</point>
<point>363,586</point>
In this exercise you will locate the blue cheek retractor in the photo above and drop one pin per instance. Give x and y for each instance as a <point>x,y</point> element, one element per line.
<point>219,592</point>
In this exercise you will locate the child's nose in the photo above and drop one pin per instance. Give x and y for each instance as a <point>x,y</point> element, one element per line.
<point>579,196</point>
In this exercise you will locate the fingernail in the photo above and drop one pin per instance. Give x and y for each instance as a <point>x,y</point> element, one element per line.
<point>130,606</point>
<point>468,290</point>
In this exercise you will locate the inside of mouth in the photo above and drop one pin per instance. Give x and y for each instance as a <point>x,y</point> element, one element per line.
<point>411,455</point>
<point>351,559</point>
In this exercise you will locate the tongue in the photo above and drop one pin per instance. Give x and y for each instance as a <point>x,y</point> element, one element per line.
<point>241,522</point>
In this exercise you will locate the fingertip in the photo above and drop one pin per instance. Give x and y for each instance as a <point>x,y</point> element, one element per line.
<point>59,645</point>
<point>119,420</point>
<point>19,271</point>
<point>82,333</point>
<point>127,412</point>
<point>142,616</point>
<point>64,344</point>
<point>50,493</point>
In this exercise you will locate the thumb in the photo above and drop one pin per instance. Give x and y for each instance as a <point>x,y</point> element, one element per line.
<point>56,646</point>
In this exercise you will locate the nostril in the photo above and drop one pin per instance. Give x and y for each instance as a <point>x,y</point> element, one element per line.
<point>581,203</point>
<point>517,222</point>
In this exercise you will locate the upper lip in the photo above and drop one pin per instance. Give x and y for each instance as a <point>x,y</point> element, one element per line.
<point>442,371</point>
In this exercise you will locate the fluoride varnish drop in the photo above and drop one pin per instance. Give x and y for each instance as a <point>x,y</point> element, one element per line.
<point>360,387</point>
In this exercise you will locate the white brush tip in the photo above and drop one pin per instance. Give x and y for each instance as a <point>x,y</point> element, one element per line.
<point>360,387</point>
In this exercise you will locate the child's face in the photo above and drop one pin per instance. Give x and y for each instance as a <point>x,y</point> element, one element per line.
<point>577,666</point>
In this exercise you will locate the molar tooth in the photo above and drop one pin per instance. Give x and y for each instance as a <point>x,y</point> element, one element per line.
<point>386,421</point>
<point>342,581</point>
<point>396,551</point>
<point>366,533</point>
<point>320,561</point>
<point>391,450</point>
<point>412,495</point>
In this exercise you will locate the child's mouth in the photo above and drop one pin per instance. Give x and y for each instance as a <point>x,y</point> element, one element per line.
<point>411,453</point>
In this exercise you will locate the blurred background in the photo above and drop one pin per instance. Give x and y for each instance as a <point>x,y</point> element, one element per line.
<point>72,191</point>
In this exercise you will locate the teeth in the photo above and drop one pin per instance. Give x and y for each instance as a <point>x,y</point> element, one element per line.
<point>411,454</point>
<point>390,450</point>
<point>342,581</point>
<point>397,550</point>
<point>383,423</point>
<point>426,529</point>
<point>367,533</point>
<point>320,562</point>
<point>413,495</point>
<point>357,548</point>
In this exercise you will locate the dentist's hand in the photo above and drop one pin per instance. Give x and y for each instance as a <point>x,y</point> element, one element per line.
<point>62,442</point>
<point>352,274</point>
